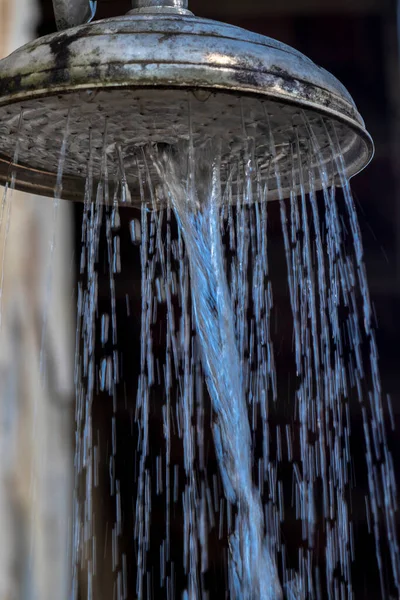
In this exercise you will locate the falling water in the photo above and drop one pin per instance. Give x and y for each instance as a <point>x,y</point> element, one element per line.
<point>253,572</point>
<point>203,240</point>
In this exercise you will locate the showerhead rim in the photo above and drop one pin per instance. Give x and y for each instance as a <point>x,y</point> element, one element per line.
<point>71,62</point>
<point>31,180</point>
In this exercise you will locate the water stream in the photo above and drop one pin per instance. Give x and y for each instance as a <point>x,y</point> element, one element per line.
<point>206,291</point>
<point>197,207</point>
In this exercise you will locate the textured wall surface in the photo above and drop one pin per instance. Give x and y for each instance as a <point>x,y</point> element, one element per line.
<point>36,376</point>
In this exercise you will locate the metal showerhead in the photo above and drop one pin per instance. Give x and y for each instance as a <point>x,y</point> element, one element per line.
<point>160,75</point>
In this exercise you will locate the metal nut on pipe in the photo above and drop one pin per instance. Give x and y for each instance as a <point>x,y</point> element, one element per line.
<point>159,3</point>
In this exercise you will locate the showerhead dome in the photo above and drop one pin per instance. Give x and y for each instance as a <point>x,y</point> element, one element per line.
<point>160,74</point>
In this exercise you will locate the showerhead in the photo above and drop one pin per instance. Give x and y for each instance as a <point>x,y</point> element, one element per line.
<point>161,75</point>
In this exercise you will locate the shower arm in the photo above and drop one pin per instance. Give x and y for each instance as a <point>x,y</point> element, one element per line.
<point>70,13</point>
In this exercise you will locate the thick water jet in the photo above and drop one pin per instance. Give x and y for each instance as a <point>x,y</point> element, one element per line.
<point>197,206</point>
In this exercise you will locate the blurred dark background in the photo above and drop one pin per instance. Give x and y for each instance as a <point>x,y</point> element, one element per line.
<point>356,40</point>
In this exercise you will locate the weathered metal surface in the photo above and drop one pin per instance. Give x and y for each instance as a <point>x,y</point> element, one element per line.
<point>140,55</point>
<point>169,50</point>
<point>70,13</point>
